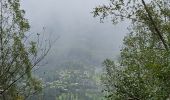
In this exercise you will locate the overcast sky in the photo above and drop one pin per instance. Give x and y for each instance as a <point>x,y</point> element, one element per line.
<point>73,22</point>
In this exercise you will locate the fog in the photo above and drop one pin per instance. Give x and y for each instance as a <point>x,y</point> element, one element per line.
<point>81,40</point>
<point>73,22</point>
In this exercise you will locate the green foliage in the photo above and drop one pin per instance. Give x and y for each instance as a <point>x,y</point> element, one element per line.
<point>33,48</point>
<point>142,72</point>
<point>77,84</point>
<point>71,81</point>
<point>17,57</point>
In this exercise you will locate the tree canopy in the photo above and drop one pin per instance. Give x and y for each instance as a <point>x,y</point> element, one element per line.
<point>18,54</point>
<point>142,71</point>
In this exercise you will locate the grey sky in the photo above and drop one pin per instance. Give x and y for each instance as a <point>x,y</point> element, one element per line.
<point>73,22</point>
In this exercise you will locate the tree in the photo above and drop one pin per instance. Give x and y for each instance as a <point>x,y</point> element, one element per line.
<point>143,68</point>
<point>72,80</point>
<point>18,55</point>
<point>137,11</point>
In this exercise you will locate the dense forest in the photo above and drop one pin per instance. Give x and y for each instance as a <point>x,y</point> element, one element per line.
<point>83,70</point>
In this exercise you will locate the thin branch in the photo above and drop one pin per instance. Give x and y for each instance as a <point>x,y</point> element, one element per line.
<point>155,27</point>
<point>40,59</point>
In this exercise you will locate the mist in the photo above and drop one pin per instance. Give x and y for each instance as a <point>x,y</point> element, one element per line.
<point>82,38</point>
<point>74,23</point>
